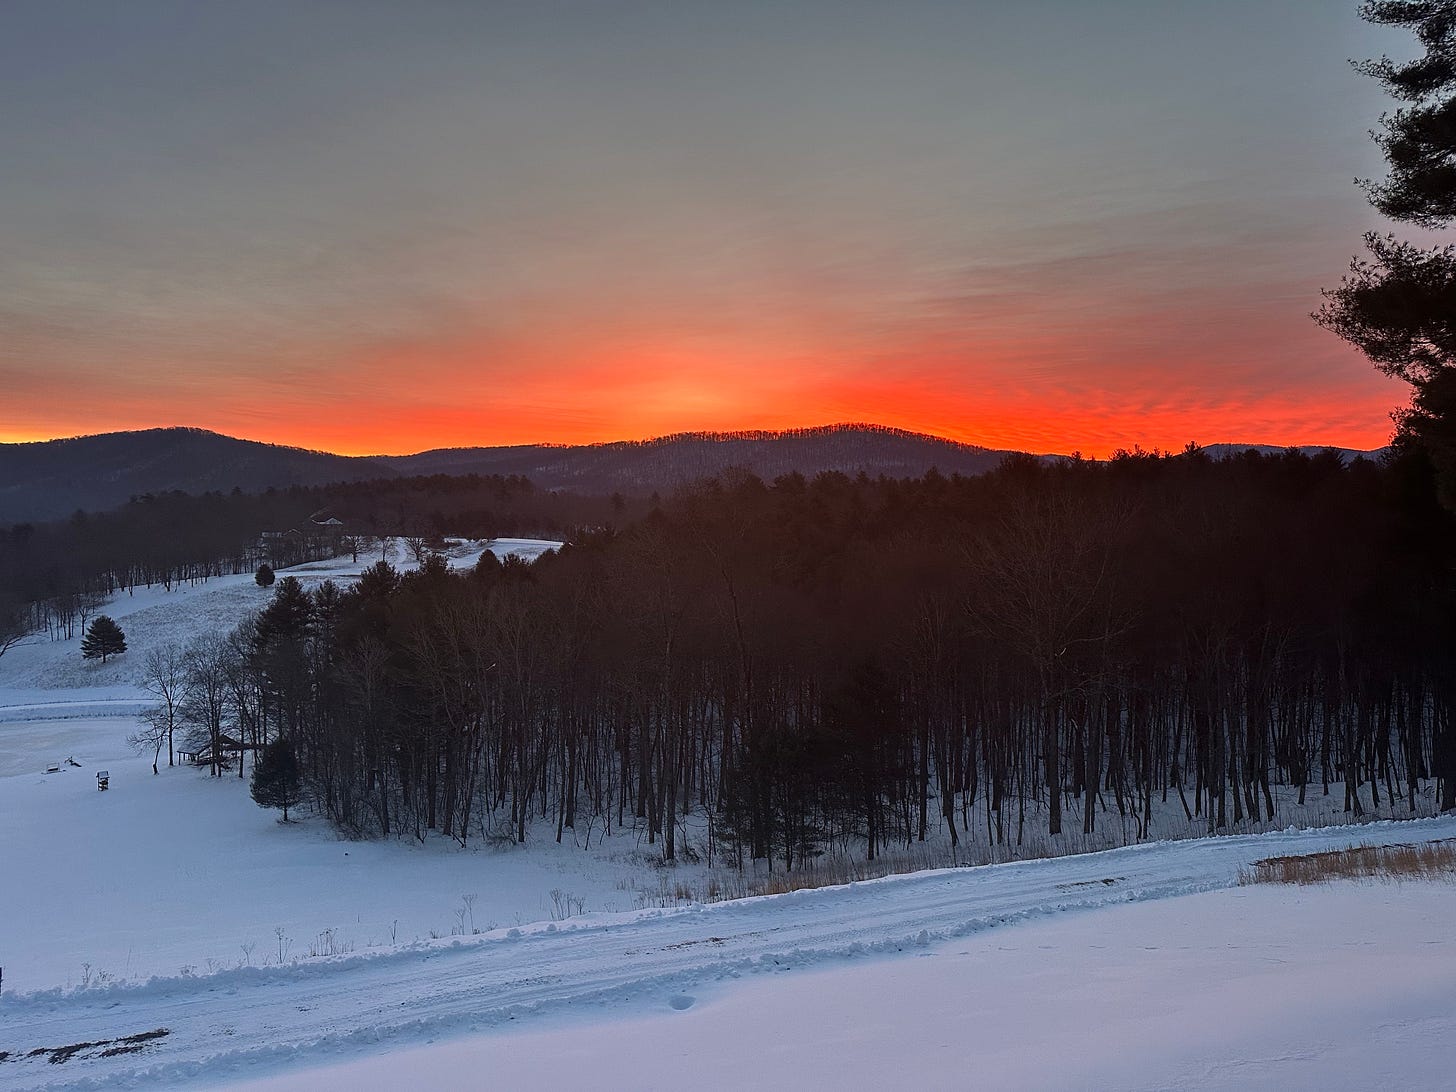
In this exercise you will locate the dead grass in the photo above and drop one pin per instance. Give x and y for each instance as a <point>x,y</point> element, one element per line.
<point>825,872</point>
<point>1397,863</point>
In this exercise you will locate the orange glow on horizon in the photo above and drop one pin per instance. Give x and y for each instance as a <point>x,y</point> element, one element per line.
<point>1093,390</point>
<point>1096,431</point>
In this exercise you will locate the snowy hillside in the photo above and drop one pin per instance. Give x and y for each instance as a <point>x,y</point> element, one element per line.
<point>52,673</point>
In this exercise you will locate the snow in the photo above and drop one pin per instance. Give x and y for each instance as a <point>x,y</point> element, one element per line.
<point>285,957</point>
<point>86,871</point>
<point>1250,988</point>
<point>253,1021</point>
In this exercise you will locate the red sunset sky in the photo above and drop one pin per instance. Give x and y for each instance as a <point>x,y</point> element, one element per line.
<point>1051,226</point>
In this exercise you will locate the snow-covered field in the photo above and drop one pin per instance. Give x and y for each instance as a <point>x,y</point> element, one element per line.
<point>1249,988</point>
<point>286,956</point>
<point>1201,980</point>
<point>183,873</point>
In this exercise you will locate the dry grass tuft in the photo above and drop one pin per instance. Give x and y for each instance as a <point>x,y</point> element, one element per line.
<point>825,872</point>
<point>1398,863</point>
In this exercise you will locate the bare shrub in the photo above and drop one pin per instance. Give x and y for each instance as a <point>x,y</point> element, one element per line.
<point>565,905</point>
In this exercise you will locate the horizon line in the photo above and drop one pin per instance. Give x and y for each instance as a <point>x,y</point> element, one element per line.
<point>721,434</point>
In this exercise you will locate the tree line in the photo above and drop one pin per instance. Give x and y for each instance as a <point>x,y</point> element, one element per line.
<point>837,661</point>
<point>54,576</point>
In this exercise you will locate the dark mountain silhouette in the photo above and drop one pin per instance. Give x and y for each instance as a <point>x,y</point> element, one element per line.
<point>52,479</point>
<point>642,466</point>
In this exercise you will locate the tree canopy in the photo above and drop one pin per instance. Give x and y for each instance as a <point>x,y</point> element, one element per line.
<point>842,661</point>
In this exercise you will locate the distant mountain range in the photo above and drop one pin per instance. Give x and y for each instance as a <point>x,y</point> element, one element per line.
<point>1224,451</point>
<point>53,478</point>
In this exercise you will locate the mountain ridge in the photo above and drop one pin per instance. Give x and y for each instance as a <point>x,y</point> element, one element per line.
<point>50,479</point>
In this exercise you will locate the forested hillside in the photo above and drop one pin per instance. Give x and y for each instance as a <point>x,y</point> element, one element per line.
<point>666,462</point>
<point>864,661</point>
<point>95,473</point>
<point>50,480</point>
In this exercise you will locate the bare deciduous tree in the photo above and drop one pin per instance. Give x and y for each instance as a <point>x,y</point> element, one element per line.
<point>166,674</point>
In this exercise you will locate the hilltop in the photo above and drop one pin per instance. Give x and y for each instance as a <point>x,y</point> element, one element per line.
<point>53,478</point>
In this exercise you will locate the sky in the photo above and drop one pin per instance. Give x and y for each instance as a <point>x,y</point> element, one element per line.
<point>375,227</point>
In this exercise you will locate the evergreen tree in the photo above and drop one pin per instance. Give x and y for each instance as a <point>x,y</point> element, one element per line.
<point>103,638</point>
<point>276,779</point>
<point>379,581</point>
<point>1398,305</point>
<point>286,617</point>
<point>264,576</point>
<point>1418,140</point>
<point>280,651</point>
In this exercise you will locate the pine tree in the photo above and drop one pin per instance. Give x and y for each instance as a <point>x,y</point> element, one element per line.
<point>286,617</point>
<point>103,638</point>
<point>264,576</point>
<point>1398,305</point>
<point>276,780</point>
